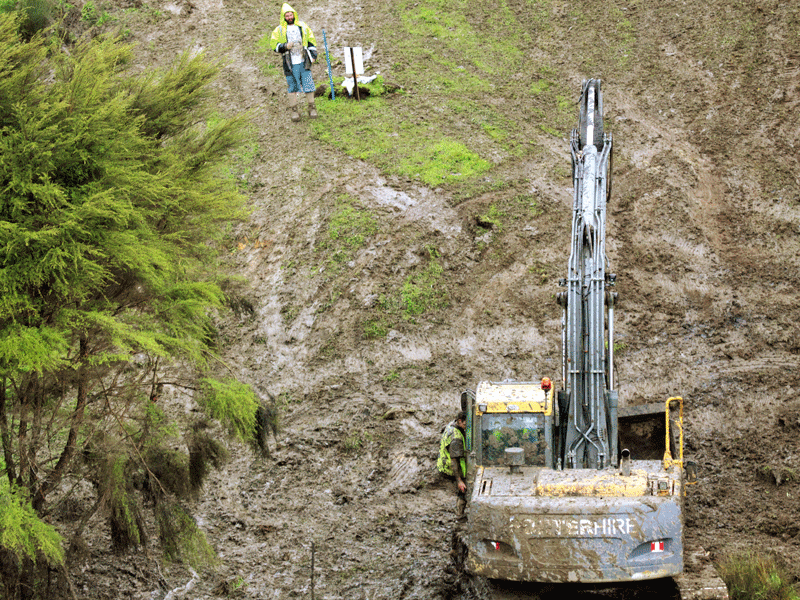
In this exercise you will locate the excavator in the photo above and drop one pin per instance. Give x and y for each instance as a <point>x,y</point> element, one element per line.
<point>568,486</point>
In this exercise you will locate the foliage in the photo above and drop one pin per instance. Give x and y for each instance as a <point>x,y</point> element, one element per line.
<point>33,15</point>
<point>22,533</point>
<point>233,403</point>
<point>180,537</point>
<point>114,195</point>
<point>750,576</point>
<point>119,500</point>
<point>92,15</point>
<point>204,451</point>
<point>29,548</point>
<point>267,420</point>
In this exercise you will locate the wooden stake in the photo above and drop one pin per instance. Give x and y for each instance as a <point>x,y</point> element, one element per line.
<point>355,77</point>
<point>312,543</point>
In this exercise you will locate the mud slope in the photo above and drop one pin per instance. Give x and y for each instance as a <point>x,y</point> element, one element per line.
<point>704,237</point>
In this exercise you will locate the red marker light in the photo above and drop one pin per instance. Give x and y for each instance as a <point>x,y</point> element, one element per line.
<point>656,546</point>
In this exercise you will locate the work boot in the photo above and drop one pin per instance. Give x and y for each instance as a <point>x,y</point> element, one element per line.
<point>312,109</point>
<point>293,108</point>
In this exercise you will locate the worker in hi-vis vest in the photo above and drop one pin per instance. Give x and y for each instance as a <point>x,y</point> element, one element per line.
<point>452,463</point>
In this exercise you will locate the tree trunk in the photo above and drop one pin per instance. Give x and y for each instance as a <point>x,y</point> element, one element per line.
<point>8,456</point>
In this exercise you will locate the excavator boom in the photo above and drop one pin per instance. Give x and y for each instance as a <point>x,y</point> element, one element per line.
<point>591,430</point>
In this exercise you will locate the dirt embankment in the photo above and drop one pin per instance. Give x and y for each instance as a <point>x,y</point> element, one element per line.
<point>703,234</point>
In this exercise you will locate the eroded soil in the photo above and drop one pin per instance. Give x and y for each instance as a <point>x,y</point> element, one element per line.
<point>703,234</point>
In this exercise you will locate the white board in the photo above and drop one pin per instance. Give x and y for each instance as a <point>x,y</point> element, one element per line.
<point>358,55</point>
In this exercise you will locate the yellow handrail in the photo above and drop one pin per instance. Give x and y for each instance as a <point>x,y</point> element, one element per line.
<point>668,460</point>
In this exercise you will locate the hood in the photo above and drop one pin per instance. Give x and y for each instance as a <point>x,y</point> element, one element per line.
<point>284,9</point>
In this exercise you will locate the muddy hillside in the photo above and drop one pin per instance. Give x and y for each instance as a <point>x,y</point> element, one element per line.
<point>373,291</point>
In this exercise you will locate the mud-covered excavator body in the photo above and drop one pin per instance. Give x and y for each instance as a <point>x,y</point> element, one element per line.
<point>530,521</point>
<point>567,486</point>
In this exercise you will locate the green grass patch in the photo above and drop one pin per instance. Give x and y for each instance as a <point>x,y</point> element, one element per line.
<point>376,329</point>
<point>481,39</point>
<point>492,218</point>
<point>448,56</point>
<point>478,187</point>
<point>420,292</point>
<point>540,86</point>
<point>349,227</point>
<point>443,161</point>
<point>401,146</point>
<point>540,271</point>
<point>750,576</point>
<point>355,440</point>
<point>529,204</point>
<point>423,291</point>
<point>613,51</point>
<point>553,106</point>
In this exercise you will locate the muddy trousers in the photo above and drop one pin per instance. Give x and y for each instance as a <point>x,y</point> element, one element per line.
<point>461,497</point>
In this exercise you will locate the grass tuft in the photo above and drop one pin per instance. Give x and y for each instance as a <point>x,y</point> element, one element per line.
<point>750,576</point>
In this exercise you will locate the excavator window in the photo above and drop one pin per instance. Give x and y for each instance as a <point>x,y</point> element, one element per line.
<point>518,430</point>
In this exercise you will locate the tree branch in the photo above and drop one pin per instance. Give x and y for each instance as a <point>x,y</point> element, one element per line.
<point>77,419</point>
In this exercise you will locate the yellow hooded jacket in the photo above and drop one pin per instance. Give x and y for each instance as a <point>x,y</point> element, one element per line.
<point>278,40</point>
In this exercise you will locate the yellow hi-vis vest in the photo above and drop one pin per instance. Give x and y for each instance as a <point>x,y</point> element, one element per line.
<point>444,464</point>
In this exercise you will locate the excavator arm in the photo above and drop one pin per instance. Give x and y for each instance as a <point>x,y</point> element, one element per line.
<point>589,430</point>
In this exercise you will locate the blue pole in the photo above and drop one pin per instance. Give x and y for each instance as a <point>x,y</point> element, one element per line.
<point>328,58</point>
